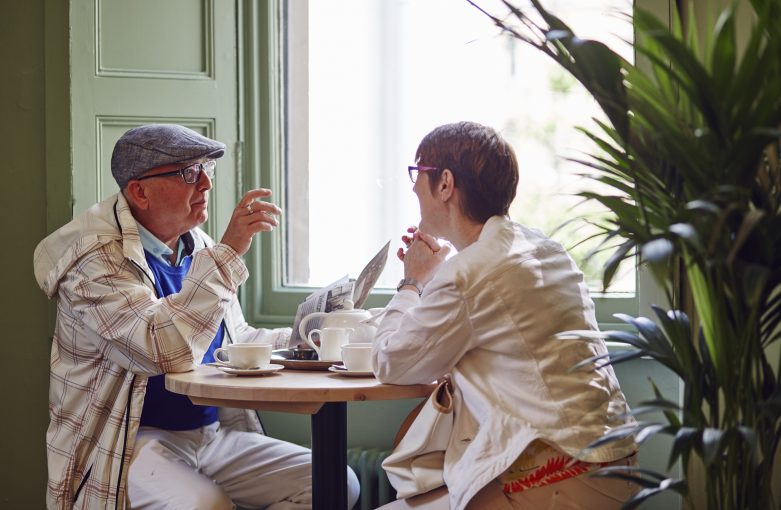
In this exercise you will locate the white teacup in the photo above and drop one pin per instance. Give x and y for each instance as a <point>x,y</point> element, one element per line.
<point>357,357</point>
<point>331,341</point>
<point>245,355</point>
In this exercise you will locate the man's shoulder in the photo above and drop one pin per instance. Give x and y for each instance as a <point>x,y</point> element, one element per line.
<point>87,232</point>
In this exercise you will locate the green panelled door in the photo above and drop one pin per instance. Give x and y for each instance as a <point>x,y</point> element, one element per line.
<point>148,61</point>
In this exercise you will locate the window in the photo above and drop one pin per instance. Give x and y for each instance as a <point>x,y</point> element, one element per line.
<point>365,80</point>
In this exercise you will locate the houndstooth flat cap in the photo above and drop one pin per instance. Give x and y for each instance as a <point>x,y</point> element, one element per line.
<point>146,147</point>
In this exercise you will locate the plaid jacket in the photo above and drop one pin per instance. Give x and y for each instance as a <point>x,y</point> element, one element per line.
<point>112,333</point>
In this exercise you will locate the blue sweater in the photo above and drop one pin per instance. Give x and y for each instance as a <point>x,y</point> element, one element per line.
<point>162,408</point>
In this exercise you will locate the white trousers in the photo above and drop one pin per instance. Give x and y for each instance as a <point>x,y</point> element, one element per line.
<point>214,468</point>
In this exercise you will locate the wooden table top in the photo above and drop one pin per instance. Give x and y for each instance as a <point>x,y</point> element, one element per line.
<point>288,390</point>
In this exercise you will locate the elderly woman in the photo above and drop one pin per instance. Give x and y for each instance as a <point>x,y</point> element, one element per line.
<point>486,316</point>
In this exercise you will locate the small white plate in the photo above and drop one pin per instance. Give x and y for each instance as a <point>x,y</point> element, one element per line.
<point>341,370</point>
<point>251,371</point>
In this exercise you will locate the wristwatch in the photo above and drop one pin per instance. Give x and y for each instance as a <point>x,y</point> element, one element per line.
<point>410,281</point>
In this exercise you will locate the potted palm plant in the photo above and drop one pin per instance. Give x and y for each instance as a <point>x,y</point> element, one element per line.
<point>690,155</point>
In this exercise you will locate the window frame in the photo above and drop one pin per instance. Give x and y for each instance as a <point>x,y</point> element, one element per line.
<point>267,302</point>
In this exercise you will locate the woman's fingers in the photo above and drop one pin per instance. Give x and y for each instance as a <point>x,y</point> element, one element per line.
<point>430,241</point>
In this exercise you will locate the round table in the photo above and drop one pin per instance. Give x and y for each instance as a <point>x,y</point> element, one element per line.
<point>321,394</point>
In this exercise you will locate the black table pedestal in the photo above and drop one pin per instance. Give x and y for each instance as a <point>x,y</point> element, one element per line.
<point>329,457</point>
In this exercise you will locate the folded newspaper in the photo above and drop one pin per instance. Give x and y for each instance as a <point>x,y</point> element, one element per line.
<point>333,296</point>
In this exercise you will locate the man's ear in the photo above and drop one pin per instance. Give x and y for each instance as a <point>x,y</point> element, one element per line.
<point>136,195</point>
<point>447,185</point>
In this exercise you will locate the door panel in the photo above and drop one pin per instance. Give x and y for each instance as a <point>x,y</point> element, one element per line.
<point>152,62</point>
<point>183,28</point>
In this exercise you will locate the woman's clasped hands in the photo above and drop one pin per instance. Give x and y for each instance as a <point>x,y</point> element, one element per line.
<point>423,255</point>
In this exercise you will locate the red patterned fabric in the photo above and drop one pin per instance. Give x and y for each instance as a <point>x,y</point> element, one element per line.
<point>542,465</point>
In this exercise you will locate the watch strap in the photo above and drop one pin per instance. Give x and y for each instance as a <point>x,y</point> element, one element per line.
<point>410,281</point>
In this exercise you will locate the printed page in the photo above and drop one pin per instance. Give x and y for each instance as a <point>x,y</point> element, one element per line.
<point>332,297</point>
<point>369,276</point>
<point>326,299</point>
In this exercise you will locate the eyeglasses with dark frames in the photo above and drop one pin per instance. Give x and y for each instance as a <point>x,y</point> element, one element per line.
<point>190,174</point>
<point>414,170</point>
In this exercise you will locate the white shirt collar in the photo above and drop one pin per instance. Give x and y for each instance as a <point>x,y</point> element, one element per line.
<point>157,248</point>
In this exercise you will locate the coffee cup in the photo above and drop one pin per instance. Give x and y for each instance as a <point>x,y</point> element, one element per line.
<point>331,341</point>
<point>357,357</point>
<point>244,355</point>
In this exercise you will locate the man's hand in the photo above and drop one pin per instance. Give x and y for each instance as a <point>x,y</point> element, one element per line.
<point>250,217</point>
<point>423,257</point>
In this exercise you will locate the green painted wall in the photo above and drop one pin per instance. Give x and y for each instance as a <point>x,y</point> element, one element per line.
<point>35,198</point>
<point>23,222</point>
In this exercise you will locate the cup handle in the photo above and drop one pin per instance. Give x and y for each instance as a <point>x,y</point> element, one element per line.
<point>302,326</point>
<point>311,342</point>
<point>217,356</point>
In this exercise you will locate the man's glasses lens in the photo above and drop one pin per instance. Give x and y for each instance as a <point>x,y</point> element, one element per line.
<point>192,173</point>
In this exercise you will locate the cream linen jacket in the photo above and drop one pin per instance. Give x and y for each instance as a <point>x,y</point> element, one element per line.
<point>112,333</point>
<point>487,318</point>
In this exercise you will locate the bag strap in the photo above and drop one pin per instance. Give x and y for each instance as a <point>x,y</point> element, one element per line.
<point>443,396</point>
<point>442,400</point>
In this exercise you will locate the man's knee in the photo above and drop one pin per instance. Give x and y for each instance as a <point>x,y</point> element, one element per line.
<point>205,498</point>
<point>159,479</point>
<point>201,496</point>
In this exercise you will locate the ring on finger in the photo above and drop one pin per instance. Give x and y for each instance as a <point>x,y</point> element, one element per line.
<point>249,208</point>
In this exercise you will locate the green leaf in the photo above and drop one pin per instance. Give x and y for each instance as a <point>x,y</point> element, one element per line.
<point>616,434</point>
<point>677,330</point>
<point>649,431</point>
<point>772,406</point>
<point>700,88</point>
<point>704,206</point>
<point>750,437</point>
<point>723,56</point>
<point>658,251</point>
<point>711,444</point>
<point>610,358</point>
<point>747,226</point>
<point>671,484</point>
<point>754,282</point>
<point>709,306</point>
<point>612,263</point>
<point>651,332</point>
<point>672,417</point>
<point>685,440</point>
<point>658,404</point>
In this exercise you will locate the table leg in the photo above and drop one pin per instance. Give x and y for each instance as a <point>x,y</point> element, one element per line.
<point>329,457</point>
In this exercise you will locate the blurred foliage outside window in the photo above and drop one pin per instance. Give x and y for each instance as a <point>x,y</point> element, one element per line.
<point>383,73</point>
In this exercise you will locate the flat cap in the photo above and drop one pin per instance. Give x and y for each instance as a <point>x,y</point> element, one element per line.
<point>145,147</point>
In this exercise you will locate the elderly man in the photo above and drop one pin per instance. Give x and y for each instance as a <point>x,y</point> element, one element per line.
<point>142,291</point>
<point>486,316</point>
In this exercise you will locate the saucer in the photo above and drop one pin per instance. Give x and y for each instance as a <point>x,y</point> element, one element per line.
<point>341,370</point>
<point>285,358</point>
<point>250,371</point>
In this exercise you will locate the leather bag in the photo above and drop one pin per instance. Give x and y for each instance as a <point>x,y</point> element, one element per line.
<point>416,464</point>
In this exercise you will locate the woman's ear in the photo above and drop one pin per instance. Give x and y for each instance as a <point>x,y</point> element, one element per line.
<point>447,185</point>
